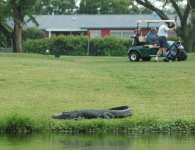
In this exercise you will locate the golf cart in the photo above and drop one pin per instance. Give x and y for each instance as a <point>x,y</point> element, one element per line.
<point>140,49</point>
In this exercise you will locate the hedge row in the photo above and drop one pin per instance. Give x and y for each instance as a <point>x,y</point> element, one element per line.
<point>33,33</point>
<point>79,45</point>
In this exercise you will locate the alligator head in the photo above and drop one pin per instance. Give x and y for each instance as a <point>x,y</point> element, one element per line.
<point>65,115</point>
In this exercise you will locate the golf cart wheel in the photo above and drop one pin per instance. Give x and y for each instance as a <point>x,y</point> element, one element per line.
<point>146,58</point>
<point>134,56</point>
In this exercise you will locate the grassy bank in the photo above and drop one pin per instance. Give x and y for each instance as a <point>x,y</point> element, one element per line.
<point>33,87</point>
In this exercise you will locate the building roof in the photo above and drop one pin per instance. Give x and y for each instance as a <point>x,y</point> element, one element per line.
<point>84,22</point>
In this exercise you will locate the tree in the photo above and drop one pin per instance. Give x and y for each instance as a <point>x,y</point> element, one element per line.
<point>192,27</point>
<point>57,7</point>
<point>4,28</point>
<point>16,10</point>
<point>192,3</point>
<point>107,7</point>
<point>89,7</point>
<point>183,13</point>
<point>121,6</point>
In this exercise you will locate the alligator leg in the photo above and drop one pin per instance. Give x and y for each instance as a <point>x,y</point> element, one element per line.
<point>107,115</point>
<point>77,118</point>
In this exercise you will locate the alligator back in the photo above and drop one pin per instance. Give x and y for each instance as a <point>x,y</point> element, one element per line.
<point>116,112</point>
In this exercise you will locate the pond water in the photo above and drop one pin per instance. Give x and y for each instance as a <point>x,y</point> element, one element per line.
<point>96,142</point>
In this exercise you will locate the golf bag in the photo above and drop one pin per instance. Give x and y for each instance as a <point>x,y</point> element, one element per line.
<point>181,55</point>
<point>175,52</point>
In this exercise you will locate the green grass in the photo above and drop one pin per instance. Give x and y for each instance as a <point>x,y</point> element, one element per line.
<point>36,86</point>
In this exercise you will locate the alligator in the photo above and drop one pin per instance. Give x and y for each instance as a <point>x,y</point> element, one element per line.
<point>117,112</point>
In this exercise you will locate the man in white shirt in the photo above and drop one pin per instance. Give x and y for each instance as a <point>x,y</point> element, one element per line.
<point>163,35</point>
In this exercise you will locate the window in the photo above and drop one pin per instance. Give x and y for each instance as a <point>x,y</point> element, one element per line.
<point>95,33</point>
<point>115,33</point>
<point>122,33</point>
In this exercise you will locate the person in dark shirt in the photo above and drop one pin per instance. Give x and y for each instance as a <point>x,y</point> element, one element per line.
<point>152,37</point>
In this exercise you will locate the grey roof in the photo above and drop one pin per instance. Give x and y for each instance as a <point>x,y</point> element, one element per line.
<point>83,22</point>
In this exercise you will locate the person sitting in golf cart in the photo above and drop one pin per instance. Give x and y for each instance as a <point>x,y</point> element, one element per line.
<point>135,38</point>
<point>152,37</point>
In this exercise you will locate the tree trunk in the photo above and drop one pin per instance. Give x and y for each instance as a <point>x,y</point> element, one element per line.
<point>188,32</point>
<point>183,33</point>
<point>18,27</point>
<point>188,44</point>
<point>17,39</point>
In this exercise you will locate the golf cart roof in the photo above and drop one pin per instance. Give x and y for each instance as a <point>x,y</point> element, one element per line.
<point>154,21</point>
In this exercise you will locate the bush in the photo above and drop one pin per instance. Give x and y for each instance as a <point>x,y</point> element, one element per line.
<point>33,33</point>
<point>4,42</point>
<point>18,123</point>
<point>108,46</point>
<point>68,45</point>
<point>79,45</point>
<point>36,46</point>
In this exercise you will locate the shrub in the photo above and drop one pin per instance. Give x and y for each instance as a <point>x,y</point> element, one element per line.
<point>108,46</point>
<point>79,45</point>
<point>18,123</point>
<point>4,42</point>
<point>69,45</point>
<point>33,33</point>
<point>36,46</point>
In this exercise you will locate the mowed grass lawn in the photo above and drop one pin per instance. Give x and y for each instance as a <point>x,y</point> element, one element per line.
<point>40,85</point>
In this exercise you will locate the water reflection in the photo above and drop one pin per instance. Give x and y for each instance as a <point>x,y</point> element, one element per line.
<point>96,142</point>
<point>100,142</point>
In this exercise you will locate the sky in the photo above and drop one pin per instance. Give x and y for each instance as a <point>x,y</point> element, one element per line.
<point>77,2</point>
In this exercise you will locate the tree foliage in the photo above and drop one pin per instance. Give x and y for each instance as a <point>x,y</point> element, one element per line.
<point>57,7</point>
<point>89,7</point>
<point>107,7</point>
